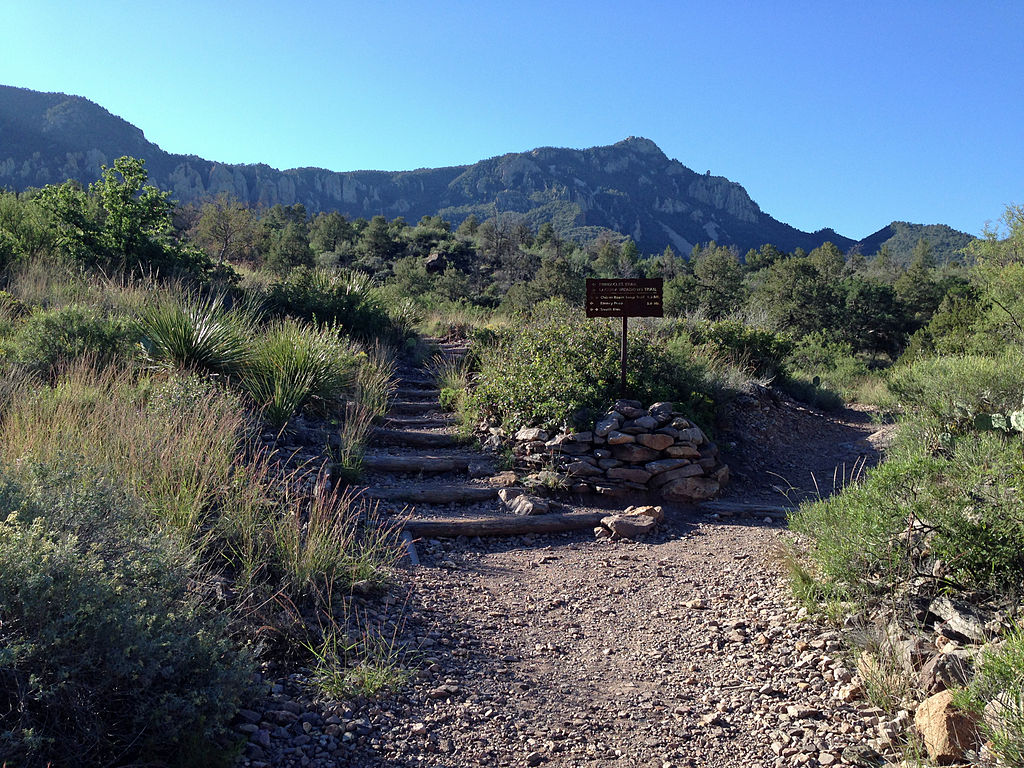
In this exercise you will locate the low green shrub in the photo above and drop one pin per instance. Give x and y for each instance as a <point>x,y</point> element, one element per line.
<point>757,352</point>
<point>106,655</point>
<point>833,363</point>
<point>811,391</point>
<point>51,337</point>
<point>960,504</point>
<point>996,695</point>
<point>562,368</point>
<point>951,392</point>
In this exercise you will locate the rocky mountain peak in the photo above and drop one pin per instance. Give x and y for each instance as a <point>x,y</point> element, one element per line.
<point>630,187</point>
<point>640,145</point>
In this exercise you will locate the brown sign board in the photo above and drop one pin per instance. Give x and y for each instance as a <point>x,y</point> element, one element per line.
<point>640,297</point>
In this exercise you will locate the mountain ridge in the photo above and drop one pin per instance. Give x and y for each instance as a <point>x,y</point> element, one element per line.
<point>630,187</point>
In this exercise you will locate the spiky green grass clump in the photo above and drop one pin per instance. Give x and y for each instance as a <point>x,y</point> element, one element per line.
<point>195,333</point>
<point>296,365</point>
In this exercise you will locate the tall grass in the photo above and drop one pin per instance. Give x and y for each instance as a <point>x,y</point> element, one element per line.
<point>47,282</point>
<point>346,299</point>
<point>353,434</point>
<point>323,538</point>
<point>454,376</point>
<point>377,379</point>
<point>180,446</point>
<point>177,458</point>
<point>454,321</point>
<point>376,383</point>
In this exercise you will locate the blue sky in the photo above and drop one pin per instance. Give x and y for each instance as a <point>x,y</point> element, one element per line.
<point>839,114</point>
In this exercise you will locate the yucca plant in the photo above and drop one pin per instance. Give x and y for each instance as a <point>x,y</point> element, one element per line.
<point>296,365</point>
<point>195,333</point>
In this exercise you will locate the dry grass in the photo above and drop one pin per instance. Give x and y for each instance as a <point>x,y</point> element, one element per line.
<point>176,458</point>
<point>180,446</point>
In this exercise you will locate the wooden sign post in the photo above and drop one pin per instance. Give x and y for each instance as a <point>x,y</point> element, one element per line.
<point>624,298</point>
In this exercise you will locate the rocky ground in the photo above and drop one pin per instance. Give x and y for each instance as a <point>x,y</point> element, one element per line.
<point>683,649</point>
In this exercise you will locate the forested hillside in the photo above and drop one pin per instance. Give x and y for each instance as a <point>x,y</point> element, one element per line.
<point>630,188</point>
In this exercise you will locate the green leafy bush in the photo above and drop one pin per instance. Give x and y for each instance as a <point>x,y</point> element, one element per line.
<point>106,655</point>
<point>999,687</point>
<point>51,337</point>
<point>951,392</point>
<point>960,504</point>
<point>561,367</point>
<point>833,362</point>
<point>756,351</point>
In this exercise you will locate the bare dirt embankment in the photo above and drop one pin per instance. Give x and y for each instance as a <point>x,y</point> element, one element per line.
<point>684,649</point>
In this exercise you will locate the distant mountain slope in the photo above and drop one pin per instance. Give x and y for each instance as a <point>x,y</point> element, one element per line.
<point>630,187</point>
<point>901,238</point>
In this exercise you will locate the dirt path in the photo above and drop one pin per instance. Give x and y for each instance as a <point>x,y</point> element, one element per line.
<point>562,650</point>
<point>779,449</point>
<point>681,651</point>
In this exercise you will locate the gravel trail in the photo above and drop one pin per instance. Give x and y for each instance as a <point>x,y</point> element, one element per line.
<point>685,649</point>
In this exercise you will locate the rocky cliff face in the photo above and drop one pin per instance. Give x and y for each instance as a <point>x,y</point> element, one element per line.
<point>630,187</point>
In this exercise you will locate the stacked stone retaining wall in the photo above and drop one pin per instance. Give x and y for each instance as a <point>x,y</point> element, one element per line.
<point>629,449</point>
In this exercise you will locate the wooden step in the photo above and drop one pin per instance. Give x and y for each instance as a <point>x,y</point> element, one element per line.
<point>388,463</point>
<point>412,407</point>
<point>424,422</point>
<point>408,393</point>
<point>415,439</point>
<point>730,508</point>
<point>433,494</point>
<point>417,382</point>
<point>503,525</point>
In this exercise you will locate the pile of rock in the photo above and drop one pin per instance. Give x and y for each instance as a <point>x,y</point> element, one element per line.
<point>631,523</point>
<point>629,449</point>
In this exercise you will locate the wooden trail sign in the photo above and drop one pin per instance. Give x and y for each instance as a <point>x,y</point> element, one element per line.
<point>625,298</point>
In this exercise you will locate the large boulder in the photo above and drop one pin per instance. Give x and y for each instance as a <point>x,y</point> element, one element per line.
<point>947,732</point>
<point>629,526</point>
